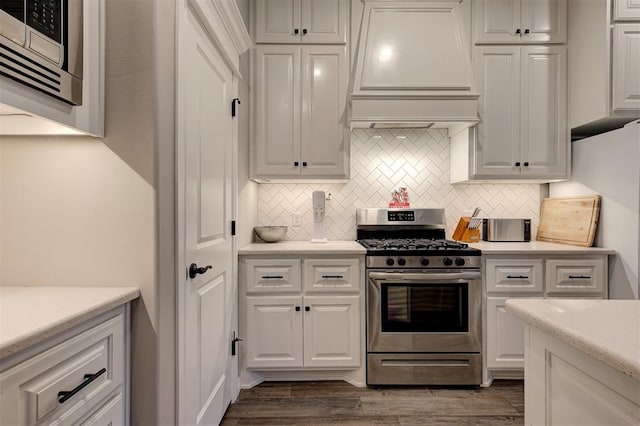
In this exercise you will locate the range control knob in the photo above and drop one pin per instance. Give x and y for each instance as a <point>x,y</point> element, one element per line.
<point>402,262</point>
<point>390,262</point>
<point>460,261</point>
<point>447,261</point>
<point>424,261</point>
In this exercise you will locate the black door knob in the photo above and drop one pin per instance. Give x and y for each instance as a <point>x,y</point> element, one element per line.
<point>194,270</point>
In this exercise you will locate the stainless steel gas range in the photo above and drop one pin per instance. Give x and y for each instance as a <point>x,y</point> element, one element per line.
<point>424,298</point>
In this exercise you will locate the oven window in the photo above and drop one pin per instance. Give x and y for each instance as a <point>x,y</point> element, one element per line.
<point>425,308</point>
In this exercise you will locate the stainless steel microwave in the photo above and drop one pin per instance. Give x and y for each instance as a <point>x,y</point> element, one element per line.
<point>41,46</point>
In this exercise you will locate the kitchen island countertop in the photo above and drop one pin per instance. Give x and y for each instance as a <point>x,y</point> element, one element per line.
<point>303,247</point>
<point>536,247</point>
<point>29,315</point>
<point>607,330</point>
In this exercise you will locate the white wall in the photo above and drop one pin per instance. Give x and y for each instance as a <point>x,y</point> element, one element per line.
<point>382,160</point>
<point>609,165</point>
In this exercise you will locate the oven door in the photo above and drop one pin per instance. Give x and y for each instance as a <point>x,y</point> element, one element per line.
<point>424,311</point>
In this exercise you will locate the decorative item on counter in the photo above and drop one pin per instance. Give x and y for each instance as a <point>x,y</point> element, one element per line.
<point>467,229</point>
<point>270,234</point>
<point>319,211</point>
<point>400,197</point>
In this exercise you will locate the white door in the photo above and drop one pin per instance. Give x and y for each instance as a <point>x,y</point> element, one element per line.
<point>324,139</point>
<point>497,148</point>
<point>544,21</point>
<point>497,21</point>
<point>332,331</point>
<point>277,111</point>
<point>323,21</point>
<point>544,133</point>
<point>205,178</point>
<point>505,336</point>
<point>277,21</point>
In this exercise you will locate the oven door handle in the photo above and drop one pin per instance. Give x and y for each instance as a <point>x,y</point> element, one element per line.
<point>404,276</point>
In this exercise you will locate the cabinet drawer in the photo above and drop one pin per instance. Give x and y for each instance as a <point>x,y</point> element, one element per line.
<point>273,275</point>
<point>331,275</point>
<point>514,276</point>
<point>575,276</point>
<point>64,380</point>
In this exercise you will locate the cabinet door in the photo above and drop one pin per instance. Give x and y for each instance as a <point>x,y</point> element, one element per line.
<point>324,141</point>
<point>544,21</point>
<point>626,67</point>
<point>277,112</point>
<point>505,336</point>
<point>324,21</point>
<point>544,133</point>
<point>110,413</point>
<point>332,331</point>
<point>277,21</point>
<point>498,77</point>
<point>626,10</point>
<point>496,21</point>
<point>274,332</point>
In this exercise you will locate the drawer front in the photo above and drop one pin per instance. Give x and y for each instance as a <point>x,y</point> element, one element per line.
<point>273,275</point>
<point>61,381</point>
<point>109,413</point>
<point>514,276</point>
<point>331,275</point>
<point>575,276</point>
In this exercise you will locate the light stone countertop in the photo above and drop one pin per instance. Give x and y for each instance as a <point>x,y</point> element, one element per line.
<point>303,247</point>
<point>536,247</point>
<point>29,315</point>
<point>607,330</point>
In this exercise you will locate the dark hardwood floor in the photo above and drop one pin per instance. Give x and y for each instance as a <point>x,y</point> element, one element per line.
<point>339,403</point>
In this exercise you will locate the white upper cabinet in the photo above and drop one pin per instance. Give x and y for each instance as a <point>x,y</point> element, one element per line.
<point>301,21</point>
<point>626,10</point>
<point>523,133</point>
<point>300,129</point>
<point>626,70</point>
<point>520,21</point>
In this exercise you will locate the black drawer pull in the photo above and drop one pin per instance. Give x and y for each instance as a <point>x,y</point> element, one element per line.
<point>579,277</point>
<point>88,378</point>
<point>518,277</point>
<point>272,277</point>
<point>337,277</point>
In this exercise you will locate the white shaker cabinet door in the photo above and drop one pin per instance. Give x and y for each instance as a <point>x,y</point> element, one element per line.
<point>324,21</point>
<point>277,111</point>
<point>274,331</point>
<point>544,21</point>
<point>497,21</point>
<point>544,133</point>
<point>626,67</point>
<point>324,137</point>
<point>332,331</point>
<point>277,21</point>
<point>505,336</point>
<point>498,78</point>
<point>626,10</point>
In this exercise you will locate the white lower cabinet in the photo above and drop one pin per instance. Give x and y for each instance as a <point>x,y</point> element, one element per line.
<point>79,380</point>
<point>530,277</point>
<point>315,324</point>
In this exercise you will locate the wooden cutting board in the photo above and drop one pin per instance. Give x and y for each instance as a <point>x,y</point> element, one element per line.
<point>569,220</point>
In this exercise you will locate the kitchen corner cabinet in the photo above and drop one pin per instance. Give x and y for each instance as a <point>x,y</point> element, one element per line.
<point>523,276</point>
<point>520,21</point>
<point>301,21</point>
<point>523,134</point>
<point>299,112</point>
<point>626,57</point>
<point>301,312</point>
<point>89,362</point>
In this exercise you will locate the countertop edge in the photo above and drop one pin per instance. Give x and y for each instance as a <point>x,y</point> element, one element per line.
<point>341,247</point>
<point>628,366</point>
<point>24,341</point>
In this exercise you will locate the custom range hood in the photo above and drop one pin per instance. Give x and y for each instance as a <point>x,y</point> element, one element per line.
<point>413,67</point>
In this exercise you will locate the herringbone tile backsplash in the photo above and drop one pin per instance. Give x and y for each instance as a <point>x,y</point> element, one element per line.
<point>382,160</point>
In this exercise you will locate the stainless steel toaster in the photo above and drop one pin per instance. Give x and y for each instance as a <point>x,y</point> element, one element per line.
<point>506,229</point>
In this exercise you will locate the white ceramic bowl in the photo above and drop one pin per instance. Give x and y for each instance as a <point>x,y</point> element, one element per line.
<point>270,234</point>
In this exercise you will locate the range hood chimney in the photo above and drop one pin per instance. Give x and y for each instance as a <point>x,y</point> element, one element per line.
<point>413,67</point>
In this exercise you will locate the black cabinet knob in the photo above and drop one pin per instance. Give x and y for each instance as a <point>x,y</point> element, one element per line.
<point>526,164</point>
<point>526,31</point>
<point>517,164</point>
<point>518,32</point>
<point>304,31</point>
<point>296,164</point>
<point>296,31</point>
<point>304,164</point>
<point>297,308</point>
<point>307,308</point>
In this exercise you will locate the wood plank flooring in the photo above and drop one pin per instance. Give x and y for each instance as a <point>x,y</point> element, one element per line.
<point>339,403</point>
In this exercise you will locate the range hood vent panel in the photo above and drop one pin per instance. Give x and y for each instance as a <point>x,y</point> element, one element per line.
<point>413,53</point>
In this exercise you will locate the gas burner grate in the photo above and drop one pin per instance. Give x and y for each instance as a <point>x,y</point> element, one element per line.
<point>400,244</point>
